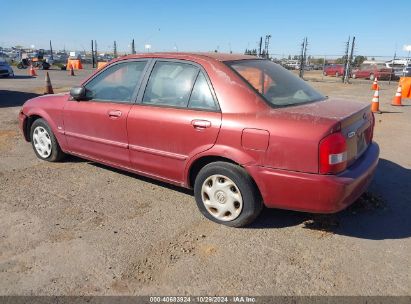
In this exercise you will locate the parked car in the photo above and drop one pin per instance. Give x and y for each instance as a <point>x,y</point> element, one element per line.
<point>209,122</point>
<point>406,71</point>
<point>398,72</point>
<point>5,69</point>
<point>334,70</point>
<point>370,71</point>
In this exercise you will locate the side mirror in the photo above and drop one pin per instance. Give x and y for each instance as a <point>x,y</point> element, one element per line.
<point>78,93</point>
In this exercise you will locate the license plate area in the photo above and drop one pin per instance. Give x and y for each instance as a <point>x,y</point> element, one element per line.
<point>361,144</point>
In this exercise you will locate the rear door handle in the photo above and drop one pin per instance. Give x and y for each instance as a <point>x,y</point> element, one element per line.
<point>114,113</point>
<point>200,124</point>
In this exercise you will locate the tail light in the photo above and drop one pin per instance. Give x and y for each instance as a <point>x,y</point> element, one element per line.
<point>333,154</point>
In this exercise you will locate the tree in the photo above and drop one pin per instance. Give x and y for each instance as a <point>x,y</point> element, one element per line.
<point>319,61</point>
<point>359,60</point>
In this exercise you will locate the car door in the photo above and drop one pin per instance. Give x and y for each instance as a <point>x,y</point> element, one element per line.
<point>96,127</point>
<point>362,72</point>
<point>177,117</point>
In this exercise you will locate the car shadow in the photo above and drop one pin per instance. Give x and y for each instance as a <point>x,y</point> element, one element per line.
<point>21,77</point>
<point>145,179</point>
<point>382,213</point>
<point>14,98</point>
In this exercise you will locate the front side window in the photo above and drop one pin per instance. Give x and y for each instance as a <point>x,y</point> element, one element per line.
<point>116,83</point>
<point>277,85</point>
<point>170,84</point>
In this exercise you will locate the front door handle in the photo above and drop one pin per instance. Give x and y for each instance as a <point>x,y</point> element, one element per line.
<point>114,113</point>
<point>200,124</point>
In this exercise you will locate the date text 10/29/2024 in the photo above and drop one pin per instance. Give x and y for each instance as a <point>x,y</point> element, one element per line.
<point>202,299</point>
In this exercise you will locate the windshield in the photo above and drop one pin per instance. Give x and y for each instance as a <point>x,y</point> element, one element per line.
<point>277,85</point>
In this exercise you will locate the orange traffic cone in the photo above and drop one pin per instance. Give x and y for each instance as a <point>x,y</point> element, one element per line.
<point>49,88</point>
<point>396,101</point>
<point>375,102</point>
<point>375,84</point>
<point>71,70</point>
<point>32,71</point>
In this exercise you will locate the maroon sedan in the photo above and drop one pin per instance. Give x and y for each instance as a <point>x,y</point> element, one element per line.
<point>242,132</point>
<point>336,70</point>
<point>372,71</point>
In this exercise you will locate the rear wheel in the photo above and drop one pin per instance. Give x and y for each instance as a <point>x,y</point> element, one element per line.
<point>227,195</point>
<point>325,73</point>
<point>44,142</point>
<point>372,77</point>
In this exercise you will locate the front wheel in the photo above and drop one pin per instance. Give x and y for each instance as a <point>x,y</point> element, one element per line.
<point>44,142</point>
<point>227,195</point>
<point>372,77</point>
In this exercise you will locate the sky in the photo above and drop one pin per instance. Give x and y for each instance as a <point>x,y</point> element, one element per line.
<point>380,27</point>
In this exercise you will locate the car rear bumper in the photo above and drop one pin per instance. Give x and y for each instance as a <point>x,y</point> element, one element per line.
<point>315,192</point>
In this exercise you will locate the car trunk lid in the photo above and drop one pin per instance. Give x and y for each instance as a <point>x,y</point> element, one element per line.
<point>354,120</point>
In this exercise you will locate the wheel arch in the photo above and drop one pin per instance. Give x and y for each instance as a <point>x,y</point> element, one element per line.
<point>197,164</point>
<point>28,122</point>
<point>34,115</point>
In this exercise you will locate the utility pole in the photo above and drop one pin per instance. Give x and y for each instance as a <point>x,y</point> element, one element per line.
<point>348,60</point>
<point>93,59</point>
<point>260,45</point>
<point>51,51</point>
<point>267,42</point>
<point>115,50</point>
<point>133,49</point>
<point>348,68</point>
<point>95,50</point>
<point>303,57</point>
<point>347,47</point>
<point>392,66</point>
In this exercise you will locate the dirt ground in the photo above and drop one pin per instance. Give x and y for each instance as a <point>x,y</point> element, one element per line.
<point>80,228</point>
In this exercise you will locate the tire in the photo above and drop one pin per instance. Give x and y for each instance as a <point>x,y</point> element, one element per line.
<point>372,77</point>
<point>337,74</point>
<point>354,76</point>
<point>236,202</point>
<point>44,142</point>
<point>325,73</point>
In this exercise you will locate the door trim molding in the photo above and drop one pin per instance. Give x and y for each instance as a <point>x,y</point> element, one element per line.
<point>158,152</point>
<point>98,140</point>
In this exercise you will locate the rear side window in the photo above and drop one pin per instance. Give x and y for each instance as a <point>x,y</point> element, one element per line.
<point>201,97</point>
<point>116,83</point>
<point>278,86</point>
<point>170,84</point>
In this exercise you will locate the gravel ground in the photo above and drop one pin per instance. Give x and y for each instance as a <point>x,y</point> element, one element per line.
<point>80,228</point>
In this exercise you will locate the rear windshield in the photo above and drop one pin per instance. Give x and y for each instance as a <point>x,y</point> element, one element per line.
<point>277,85</point>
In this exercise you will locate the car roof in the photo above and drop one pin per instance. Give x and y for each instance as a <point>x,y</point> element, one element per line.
<point>211,56</point>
